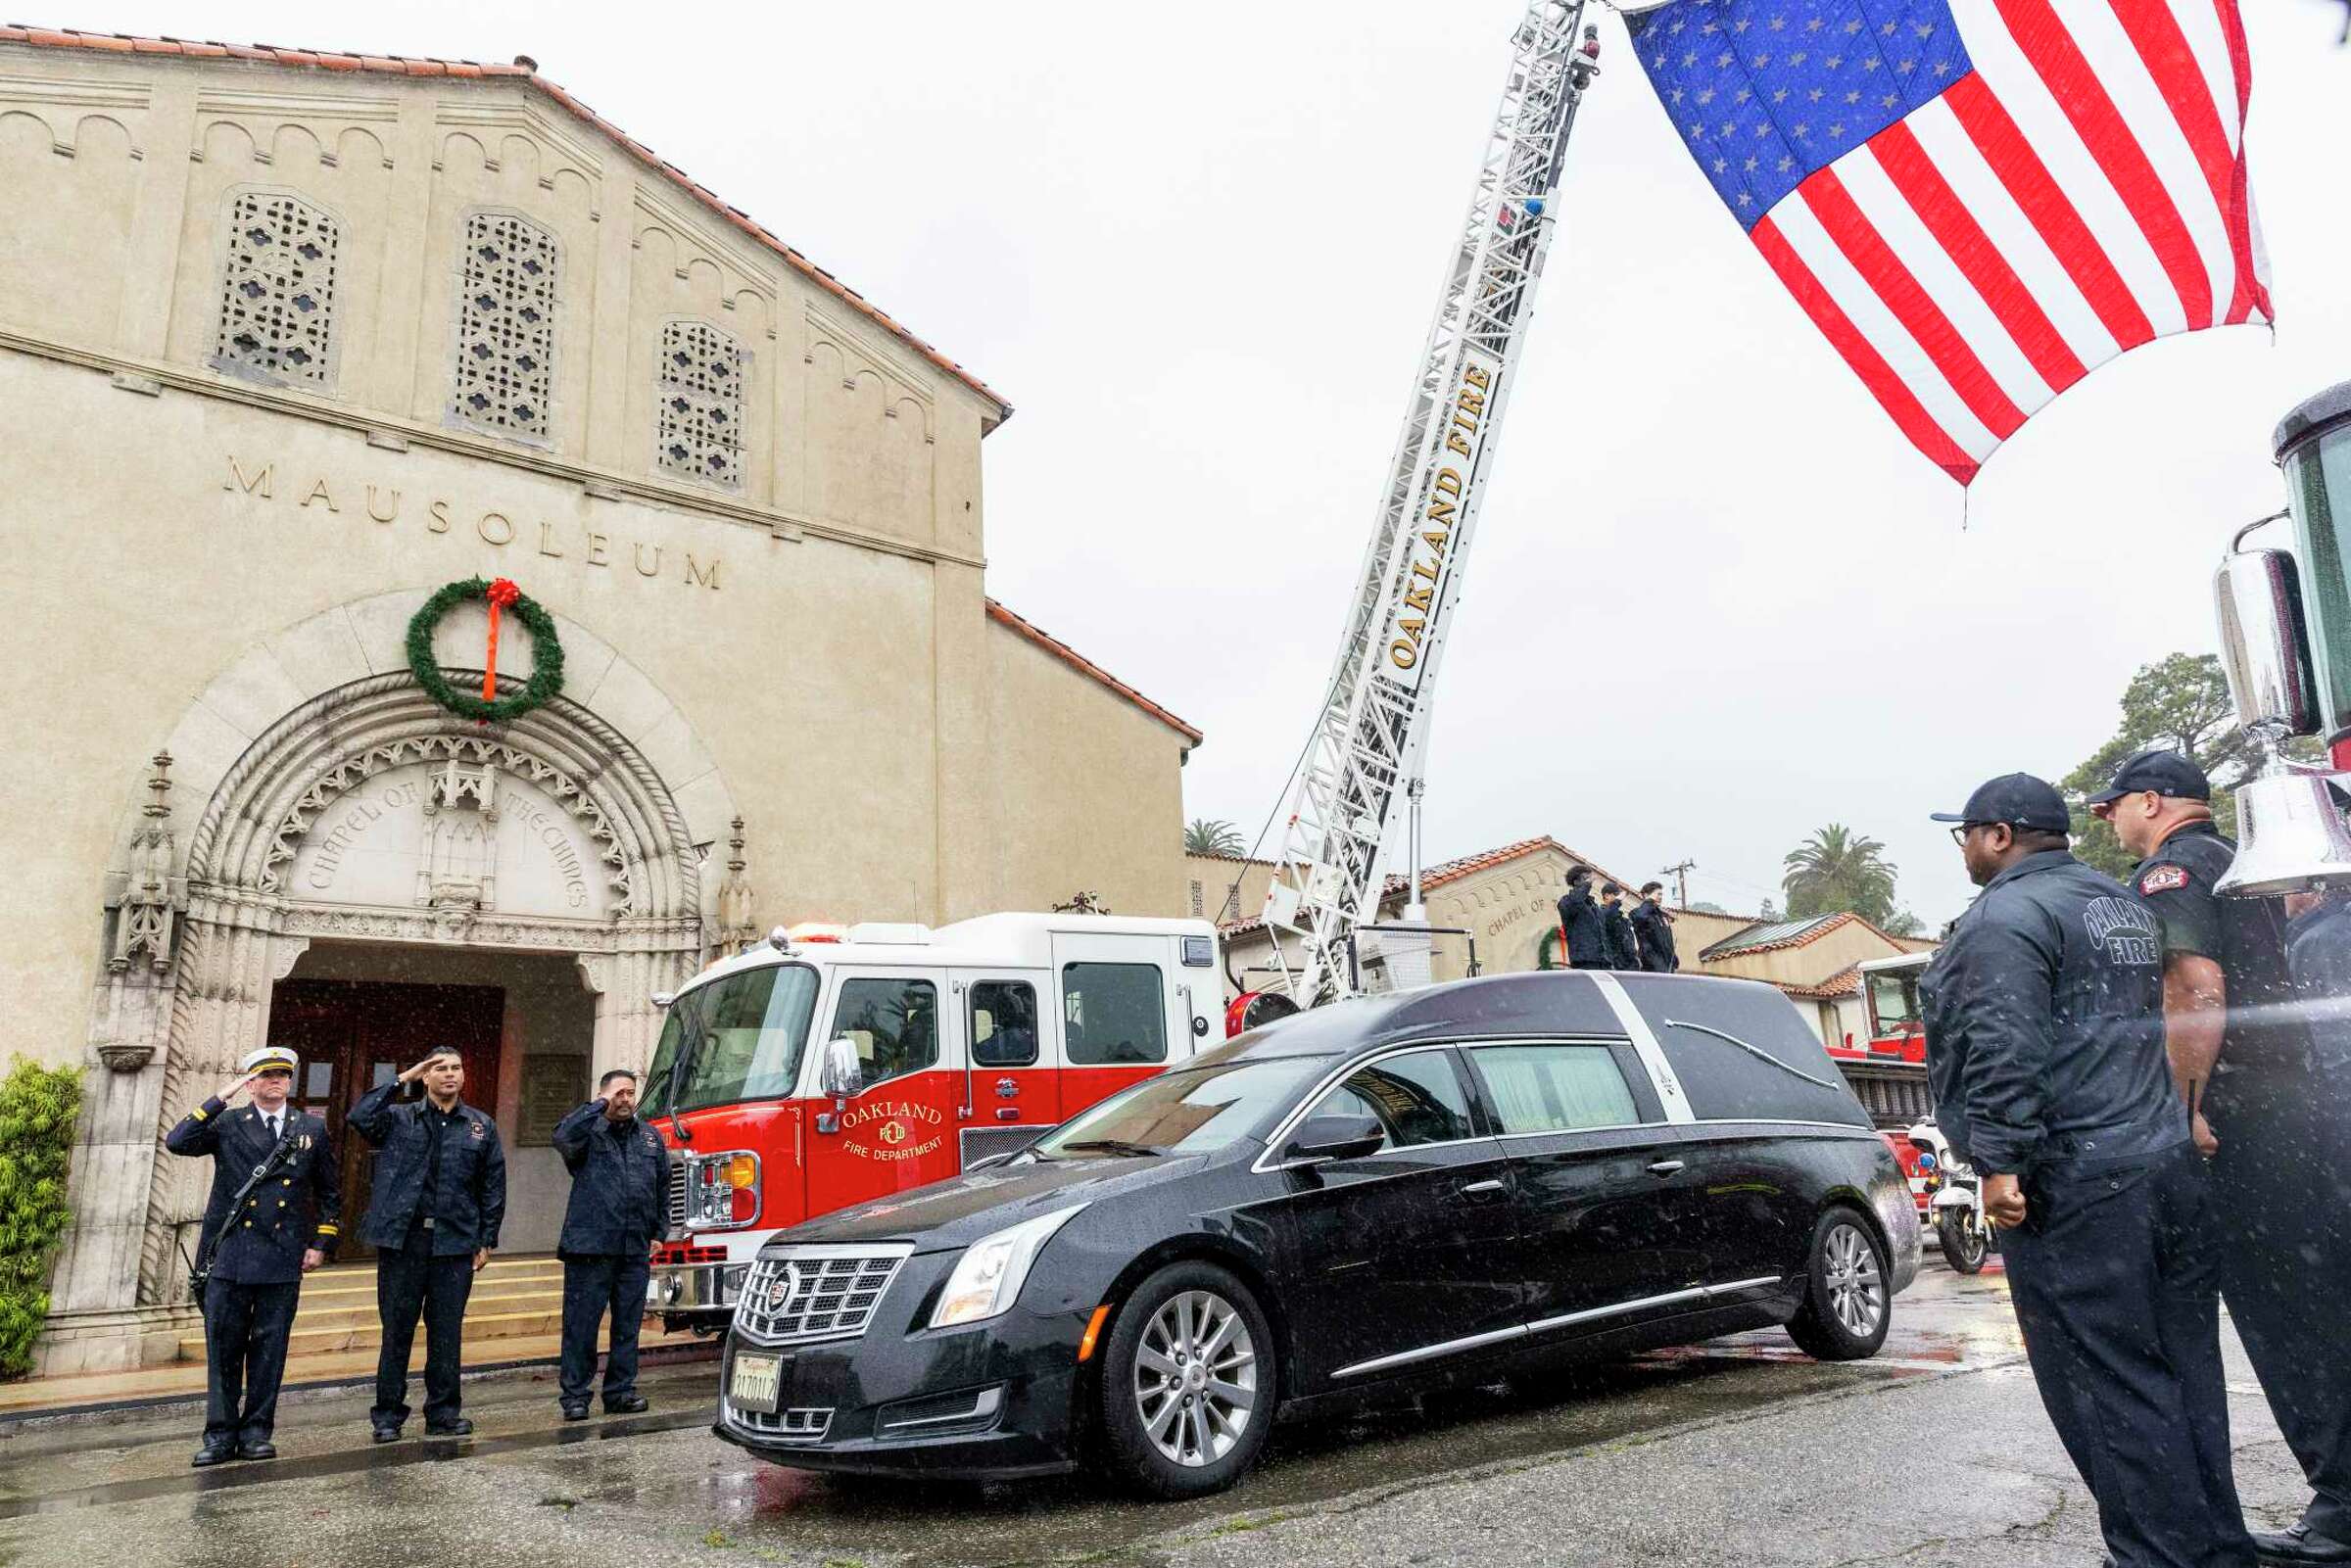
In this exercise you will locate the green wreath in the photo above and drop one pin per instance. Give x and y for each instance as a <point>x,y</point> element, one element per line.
<point>547,652</point>
<point>1547,949</point>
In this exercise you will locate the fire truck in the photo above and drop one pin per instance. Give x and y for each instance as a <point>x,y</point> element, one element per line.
<point>1888,1070</point>
<point>832,1065</point>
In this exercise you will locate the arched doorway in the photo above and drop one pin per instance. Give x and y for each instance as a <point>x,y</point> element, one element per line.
<point>424,871</point>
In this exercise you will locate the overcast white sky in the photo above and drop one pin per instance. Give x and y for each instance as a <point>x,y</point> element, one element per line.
<point>1716,599</point>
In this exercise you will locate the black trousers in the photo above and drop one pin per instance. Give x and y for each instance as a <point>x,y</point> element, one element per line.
<point>592,1285</point>
<point>2283,1214</point>
<point>245,1328</point>
<point>409,1282</point>
<point>2115,1281</point>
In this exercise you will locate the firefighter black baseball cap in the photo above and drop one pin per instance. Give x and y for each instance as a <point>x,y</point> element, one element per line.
<point>2167,773</point>
<point>2018,799</point>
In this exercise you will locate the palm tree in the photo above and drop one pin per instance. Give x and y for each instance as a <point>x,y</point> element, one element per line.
<point>1204,836</point>
<point>1837,870</point>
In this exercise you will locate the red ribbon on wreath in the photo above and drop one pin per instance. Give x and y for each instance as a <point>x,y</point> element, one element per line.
<point>502,592</point>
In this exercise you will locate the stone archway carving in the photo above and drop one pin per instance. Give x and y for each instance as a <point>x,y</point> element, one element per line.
<point>275,747</point>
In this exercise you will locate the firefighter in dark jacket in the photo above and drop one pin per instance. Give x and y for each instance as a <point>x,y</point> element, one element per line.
<point>440,1197</point>
<point>1653,929</point>
<point>619,1207</point>
<point>2045,1055</point>
<point>1582,926</point>
<point>255,1247</point>
<point>2269,1102</point>
<point>1624,949</point>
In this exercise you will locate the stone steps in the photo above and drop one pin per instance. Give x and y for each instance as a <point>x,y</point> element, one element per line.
<point>513,1299</point>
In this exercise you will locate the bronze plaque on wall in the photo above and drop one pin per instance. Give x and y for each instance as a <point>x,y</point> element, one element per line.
<point>553,1088</point>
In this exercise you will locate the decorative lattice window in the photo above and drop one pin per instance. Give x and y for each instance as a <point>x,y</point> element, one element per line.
<point>277,290</point>
<point>702,402</point>
<point>505,326</point>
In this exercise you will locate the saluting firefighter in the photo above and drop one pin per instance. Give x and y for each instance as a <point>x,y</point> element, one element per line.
<point>2045,1057</point>
<point>1652,928</point>
<point>2269,1100</point>
<point>276,1196</point>
<point>619,1205</point>
<point>440,1197</point>
<point>1583,928</point>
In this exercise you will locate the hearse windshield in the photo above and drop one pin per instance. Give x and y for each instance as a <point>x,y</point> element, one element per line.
<point>1190,1112</point>
<point>740,1035</point>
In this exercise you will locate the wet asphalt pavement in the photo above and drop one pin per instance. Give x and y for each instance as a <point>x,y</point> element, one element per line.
<point>1738,1452</point>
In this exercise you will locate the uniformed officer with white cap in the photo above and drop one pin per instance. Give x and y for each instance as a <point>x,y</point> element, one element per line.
<point>272,1217</point>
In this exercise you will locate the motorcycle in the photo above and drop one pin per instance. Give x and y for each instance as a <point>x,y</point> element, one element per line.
<point>1956,1200</point>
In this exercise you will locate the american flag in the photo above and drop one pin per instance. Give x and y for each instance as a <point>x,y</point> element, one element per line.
<point>1977,201</point>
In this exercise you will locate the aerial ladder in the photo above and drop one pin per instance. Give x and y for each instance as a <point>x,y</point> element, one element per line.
<point>1366,752</point>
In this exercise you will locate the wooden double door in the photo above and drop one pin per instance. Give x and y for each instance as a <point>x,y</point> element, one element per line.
<point>355,1034</point>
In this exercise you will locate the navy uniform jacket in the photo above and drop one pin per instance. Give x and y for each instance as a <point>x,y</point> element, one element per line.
<point>471,1194</point>
<point>619,1183</point>
<point>1587,933</point>
<point>2045,1022</point>
<point>1655,934</point>
<point>294,1210</point>
<point>1624,952</point>
<point>2244,936</point>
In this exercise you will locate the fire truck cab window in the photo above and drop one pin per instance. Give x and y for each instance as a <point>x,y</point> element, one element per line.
<point>895,1023</point>
<point>1003,1023</point>
<point>1416,1097</point>
<point>1113,1014</point>
<point>741,1035</point>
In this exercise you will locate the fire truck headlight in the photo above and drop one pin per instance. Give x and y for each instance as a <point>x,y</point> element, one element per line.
<point>989,1276</point>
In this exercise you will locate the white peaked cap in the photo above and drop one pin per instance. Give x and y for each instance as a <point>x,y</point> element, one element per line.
<point>271,1056</point>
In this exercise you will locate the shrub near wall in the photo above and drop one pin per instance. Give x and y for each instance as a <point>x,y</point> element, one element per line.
<point>37,1111</point>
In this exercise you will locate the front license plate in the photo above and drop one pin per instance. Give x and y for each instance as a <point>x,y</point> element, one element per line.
<point>755,1383</point>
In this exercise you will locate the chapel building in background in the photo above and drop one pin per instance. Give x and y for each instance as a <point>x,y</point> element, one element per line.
<point>288,343</point>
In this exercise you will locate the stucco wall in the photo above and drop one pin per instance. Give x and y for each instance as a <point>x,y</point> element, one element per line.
<point>1090,793</point>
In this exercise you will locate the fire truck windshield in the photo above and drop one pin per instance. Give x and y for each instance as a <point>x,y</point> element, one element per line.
<point>1894,1002</point>
<point>1182,1111</point>
<point>741,1036</point>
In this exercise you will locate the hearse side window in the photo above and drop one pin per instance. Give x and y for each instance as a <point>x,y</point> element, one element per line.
<point>1744,1053</point>
<point>1113,1014</point>
<point>1416,1097</point>
<point>895,1023</point>
<point>1003,1023</point>
<point>1555,1088</point>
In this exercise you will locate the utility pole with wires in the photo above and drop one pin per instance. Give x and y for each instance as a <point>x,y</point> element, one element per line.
<point>1680,873</point>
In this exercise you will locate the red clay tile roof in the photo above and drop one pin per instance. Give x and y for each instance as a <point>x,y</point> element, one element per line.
<point>524,70</point>
<point>1847,981</point>
<point>1801,931</point>
<point>1087,667</point>
<point>1452,870</point>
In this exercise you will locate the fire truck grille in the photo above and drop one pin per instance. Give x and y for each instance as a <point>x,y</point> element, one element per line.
<point>798,1296</point>
<point>678,1171</point>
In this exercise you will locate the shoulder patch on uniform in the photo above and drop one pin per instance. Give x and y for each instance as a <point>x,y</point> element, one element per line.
<point>2163,879</point>
<point>477,1129</point>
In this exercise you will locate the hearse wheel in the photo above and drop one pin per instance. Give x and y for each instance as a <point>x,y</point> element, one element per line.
<point>1189,1382</point>
<point>1847,1309</point>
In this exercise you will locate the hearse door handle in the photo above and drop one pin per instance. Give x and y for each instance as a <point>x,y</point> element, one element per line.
<point>1481,1189</point>
<point>1664,1168</point>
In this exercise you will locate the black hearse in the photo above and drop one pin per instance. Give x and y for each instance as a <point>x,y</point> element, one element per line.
<point>1386,1194</point>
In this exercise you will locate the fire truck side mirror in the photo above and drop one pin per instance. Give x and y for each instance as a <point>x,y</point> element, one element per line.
<point>841,1070</point>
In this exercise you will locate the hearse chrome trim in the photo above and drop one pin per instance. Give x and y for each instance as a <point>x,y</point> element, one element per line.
<point>1646,1046</point>
<point>800,1425</point>
<point>983,1405</point>
<point>1516,1331</point>
<point>1426,1353</point>
<point>1701,1293</point>
<point>1756,1050</point>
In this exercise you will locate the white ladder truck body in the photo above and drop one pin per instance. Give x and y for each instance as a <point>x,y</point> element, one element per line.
<point>1370,737</point>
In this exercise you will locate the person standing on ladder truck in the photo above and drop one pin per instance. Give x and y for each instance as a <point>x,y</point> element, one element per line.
<point>1369,741</point>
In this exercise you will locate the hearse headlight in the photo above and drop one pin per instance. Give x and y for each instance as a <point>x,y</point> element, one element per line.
<point>989,1276</point>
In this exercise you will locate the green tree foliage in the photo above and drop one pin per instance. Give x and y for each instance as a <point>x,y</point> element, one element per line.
<point>1836,870</point>
<point>2181,703</point>
<point>1203,836</point>
<point>37,1111</point>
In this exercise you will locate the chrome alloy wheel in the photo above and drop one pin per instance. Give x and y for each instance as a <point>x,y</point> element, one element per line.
<point>1857,1285</point>
<point>1195,1378</point>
